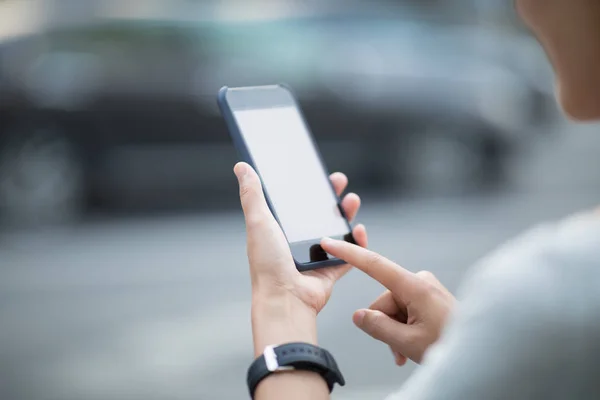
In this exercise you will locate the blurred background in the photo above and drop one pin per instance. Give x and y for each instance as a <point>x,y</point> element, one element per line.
<point>122,258</point>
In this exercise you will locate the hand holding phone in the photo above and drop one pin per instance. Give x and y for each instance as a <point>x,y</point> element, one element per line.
<point>272,136</point>
<point>285,302</point>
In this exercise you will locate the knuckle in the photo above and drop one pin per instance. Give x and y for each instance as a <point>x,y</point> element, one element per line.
<point>427,275</point>
<point>426,289</point>
<point>246,191</point>
<point>373,259</point>
<point>254,214</point>
<point>375,322</point>
<point>428,282</point>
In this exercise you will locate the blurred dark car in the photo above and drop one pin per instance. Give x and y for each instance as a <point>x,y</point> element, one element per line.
<point>121,111</point>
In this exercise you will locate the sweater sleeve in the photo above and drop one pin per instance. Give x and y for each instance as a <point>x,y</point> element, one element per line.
<point>513,335</point>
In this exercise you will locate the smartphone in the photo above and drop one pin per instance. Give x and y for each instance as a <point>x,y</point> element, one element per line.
<point>271,134</point>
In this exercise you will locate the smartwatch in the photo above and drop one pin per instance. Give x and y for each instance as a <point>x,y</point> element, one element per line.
<point>294,356</point>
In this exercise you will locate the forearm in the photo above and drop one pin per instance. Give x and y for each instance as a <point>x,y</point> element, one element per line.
<point>293,385</point>
<point>278,321</point>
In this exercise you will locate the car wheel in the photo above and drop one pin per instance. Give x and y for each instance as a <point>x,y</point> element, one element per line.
<point>41,178</point>
<point>443,162</point>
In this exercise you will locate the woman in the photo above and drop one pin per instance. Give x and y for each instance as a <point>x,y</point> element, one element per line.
<point>528,323</point>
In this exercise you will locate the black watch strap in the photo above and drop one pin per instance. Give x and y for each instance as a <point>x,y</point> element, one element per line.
<point>294,356</point>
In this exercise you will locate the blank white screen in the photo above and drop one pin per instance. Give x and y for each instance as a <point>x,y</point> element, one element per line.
<point>291,173</point>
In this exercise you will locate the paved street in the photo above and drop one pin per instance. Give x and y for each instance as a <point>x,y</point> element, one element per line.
<point>159,308</point>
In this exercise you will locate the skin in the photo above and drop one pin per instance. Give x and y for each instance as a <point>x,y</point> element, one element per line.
<point>410,315</point>
<point>285,303</point>
<point>569,31</point>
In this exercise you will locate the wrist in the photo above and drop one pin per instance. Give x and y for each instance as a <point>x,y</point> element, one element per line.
<point>281,319</point>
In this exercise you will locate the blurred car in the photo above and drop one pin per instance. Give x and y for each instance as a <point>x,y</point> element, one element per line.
<point>121,110</point>
<point>459,97</point>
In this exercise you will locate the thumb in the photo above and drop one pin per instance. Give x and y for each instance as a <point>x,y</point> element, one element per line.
<point>256,210</point>
<point>383,328</point>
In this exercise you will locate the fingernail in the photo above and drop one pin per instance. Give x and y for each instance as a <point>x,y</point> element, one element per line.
<point>240,170</point>
<point>397,357</point>
<point>327,241</point>
<point>359,317</point>
<point>400,361</point>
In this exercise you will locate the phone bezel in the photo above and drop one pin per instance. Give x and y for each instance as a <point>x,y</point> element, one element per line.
<point>308,255</point>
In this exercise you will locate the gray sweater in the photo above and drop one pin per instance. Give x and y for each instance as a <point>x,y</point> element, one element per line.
<point>527,325</point>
